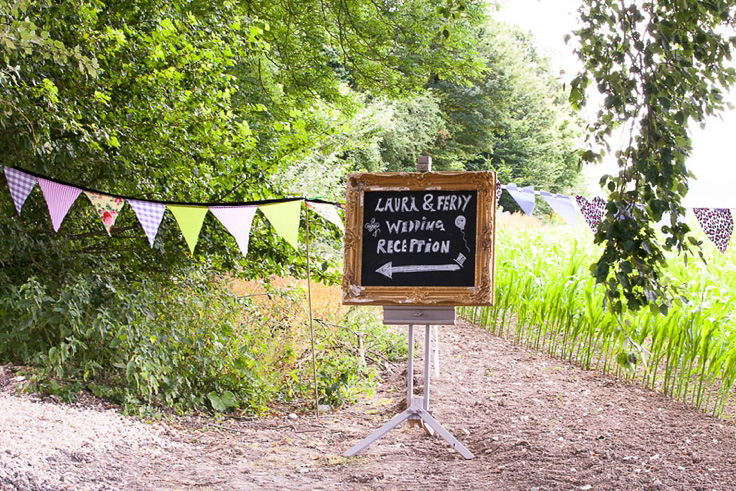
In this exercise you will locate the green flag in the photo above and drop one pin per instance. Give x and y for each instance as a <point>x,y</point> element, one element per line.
<point>189,218</point>
<point>285,219</point>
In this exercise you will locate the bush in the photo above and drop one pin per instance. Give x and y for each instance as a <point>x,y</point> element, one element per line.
<point>185,343</point>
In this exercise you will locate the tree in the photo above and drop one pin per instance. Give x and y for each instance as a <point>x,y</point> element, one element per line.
<point>185,100</point>
<point>660,65</point>
<point>193,101</point>
<point>513,118</point>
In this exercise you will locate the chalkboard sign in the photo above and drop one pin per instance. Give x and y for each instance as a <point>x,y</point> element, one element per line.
<point>420,238</point>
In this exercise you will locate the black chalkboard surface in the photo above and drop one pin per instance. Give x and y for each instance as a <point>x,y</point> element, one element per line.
<point>419,238</point>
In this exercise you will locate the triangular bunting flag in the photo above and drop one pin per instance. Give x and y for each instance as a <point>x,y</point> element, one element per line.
<point>328,212</point>
<point>59,198</point>
<point>107,207</point>
<point>524,197</point>
<point>20,185</point>
<point>562,205</point>
<point>149,215</point>
<point>592,211</point>
<point>717,223</point>
<point>284,217</point>
<point>189,218</point>
<point>237,220</point>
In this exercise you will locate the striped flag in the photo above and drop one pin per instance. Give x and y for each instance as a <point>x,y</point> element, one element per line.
<point>59,198</point>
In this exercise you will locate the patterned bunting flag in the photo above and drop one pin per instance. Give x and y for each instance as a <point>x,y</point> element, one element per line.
<point>499,189</point>
<point>562,205</point>
<point>328,212</point>
<point>717,223</point>
<point>284,217</point>
<point>149,215</point>
<point>237,220</point>
<point>20,185</point>
<point>592,211</point>
<point>59,198</point>
<point>189,218</point>
<point>107,207</point>
<point>524,197</point>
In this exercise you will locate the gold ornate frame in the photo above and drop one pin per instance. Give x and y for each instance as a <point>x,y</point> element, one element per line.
<point>481,293</point>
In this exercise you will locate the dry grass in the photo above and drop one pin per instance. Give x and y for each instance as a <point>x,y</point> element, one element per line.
<point>517,221</point>
<point>326,299</point>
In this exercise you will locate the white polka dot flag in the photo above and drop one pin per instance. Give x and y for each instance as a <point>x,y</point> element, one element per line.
<point>524,197</point>
<point>562,205</point>
<point>328,212</point>
<point>20,185</point>
<point>149,215</point>
<point>592,210</point>
<point>59,198</point>
<point>237,220</point>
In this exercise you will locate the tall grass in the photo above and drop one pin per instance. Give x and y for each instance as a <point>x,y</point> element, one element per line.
<point>546,300</point>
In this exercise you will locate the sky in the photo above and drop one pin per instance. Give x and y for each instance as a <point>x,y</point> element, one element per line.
<point>714,149</point>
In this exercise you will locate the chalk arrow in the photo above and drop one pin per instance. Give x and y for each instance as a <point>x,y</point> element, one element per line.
<point>388,269</point>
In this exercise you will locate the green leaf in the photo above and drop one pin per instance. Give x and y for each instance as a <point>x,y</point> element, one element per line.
<point>222,403</point>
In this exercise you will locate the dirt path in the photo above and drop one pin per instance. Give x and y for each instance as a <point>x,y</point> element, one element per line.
<point>533,423</point>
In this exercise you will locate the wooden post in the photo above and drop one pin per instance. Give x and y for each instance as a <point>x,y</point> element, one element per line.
<point>424,163</point>
<point>311,321</point>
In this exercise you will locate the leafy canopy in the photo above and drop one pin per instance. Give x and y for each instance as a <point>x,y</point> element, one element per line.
<point>194,101</point>
<point>660,65</point>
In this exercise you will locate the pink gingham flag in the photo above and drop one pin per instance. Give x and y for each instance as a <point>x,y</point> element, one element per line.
<point>149,215</point>
<point>20,185</point>
<point>237,220</point>
<point>59,198</point>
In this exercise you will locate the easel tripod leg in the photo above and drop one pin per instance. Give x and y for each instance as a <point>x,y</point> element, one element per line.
<point>429,419</point>
<point>394,422</point>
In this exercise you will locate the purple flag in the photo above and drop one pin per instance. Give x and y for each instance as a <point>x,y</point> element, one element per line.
<point>149,215</point>
<point>563,206</point>
<point>237,220</point>
<point>20,185</point>
<point>717,223</point>
<point>524,197</point>
<point>59,198</point>
<point>592,211</point>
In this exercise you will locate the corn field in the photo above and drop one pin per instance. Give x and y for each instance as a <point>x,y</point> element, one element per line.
<point>546,300</point>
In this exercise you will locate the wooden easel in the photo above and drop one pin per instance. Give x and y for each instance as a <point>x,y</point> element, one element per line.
<point>417,410</point>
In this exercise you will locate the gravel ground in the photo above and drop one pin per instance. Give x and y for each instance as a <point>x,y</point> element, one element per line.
<point>533,423</point>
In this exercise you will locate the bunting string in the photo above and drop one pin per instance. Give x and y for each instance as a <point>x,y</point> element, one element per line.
<point>237,217</point>
<point>284,213</point>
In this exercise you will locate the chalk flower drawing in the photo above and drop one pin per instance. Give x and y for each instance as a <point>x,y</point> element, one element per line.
<point>373,227</point>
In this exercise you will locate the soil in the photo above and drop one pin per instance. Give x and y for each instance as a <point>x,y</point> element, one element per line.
<point>533,423</point>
